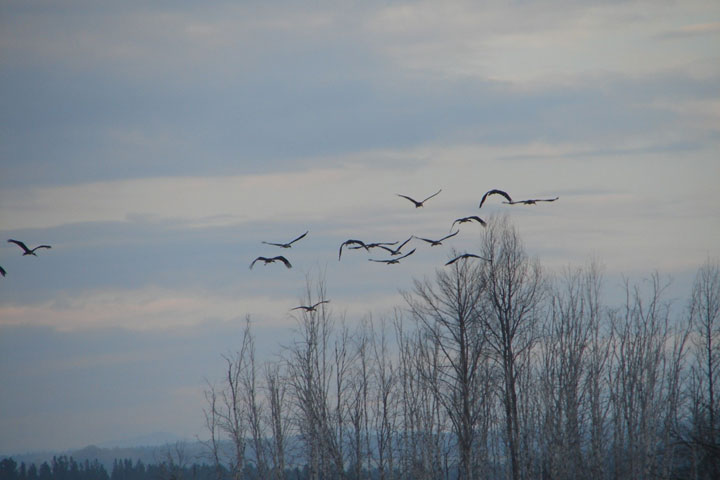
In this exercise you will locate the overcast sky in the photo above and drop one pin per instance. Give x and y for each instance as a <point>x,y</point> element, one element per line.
<point>155,147</point>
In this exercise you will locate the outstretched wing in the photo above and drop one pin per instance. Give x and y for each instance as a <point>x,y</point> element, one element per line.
<point>467,219</point>
<point>494,191</point>
<point>19,244</point>
<point>264,259</point>
<point>397,250</point>
<point>282,259</point>
<point>403,244</point>
<point>464,255</point>
<point>2,271</point>
<point>302,307</point>
<point>379,244</point>
<point>314,306</point>
<point>411,199</point>
<point>350,242</point>
<point>42,246</point>
<point>298,238</point>
<point>532,201</point>
<point>276,244</point>
<point>390,250</point>
<point>425,239</point>
<point>454,260</point>
<point>406,255</point>
<point>479,220</point>
<point>431,196</point>
<point>448,236</point>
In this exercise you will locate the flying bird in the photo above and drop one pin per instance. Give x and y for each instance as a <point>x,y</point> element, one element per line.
<point>419,204</point>
<point>359,243</point>
<point>310,308</point>
<point>271,260</point>
<point>396,251</point>
<point>2,271</point>
<point>434,243</point>
<point>289,244</point>
<point>465,255</point>
<point>392,261</point>
<point>494,191</point>
<point>469,219</point>
<point>368,246</point>
<point>27,251</point>
<point>531,201</point>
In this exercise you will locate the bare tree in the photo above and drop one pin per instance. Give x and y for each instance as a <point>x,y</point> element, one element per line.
<point>704,313</point>
<point>212,425</point>
<point>358,400</point>
<point>421,446</point>
<point>384,401</point>
<point>228,413</point>
<point>253,405</point>
<point>447,312</point>
<point>513,294</point>
<point>278,418</point>
<point>174,462</point>
<point>316,373</point>
<point>646,359</point>
<point>571,375</point>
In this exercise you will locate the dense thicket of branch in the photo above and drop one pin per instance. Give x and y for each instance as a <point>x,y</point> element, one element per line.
<point>492,368</point>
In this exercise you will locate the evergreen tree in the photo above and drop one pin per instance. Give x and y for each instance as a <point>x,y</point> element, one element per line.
<point>8,469</point>
<point>32,472</point>
<point>45,473</point>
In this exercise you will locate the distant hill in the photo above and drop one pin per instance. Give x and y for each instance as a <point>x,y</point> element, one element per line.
<point>150,449</point>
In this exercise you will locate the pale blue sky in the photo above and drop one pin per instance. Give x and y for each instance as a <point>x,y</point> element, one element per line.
<point>155,147</point>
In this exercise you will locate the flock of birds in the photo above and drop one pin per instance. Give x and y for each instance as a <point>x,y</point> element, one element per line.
<point>392,248</point>
<point>396,253</point>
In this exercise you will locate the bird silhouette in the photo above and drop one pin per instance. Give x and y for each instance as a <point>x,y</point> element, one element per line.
<point>531,201</point>
<point>27,251</point>
<point>419,204</point>
<point>359,243</point>
<point>271,260</point>
<point>2,271</point>
<point>392,261</point>
<point>466,255</point>
<point>494,191</point>
<point>310,308</point>
<point>434,243</point>
<point>368,246</point>
<point>289,244</point>
<point>396,251</point>
<point>469,219</point>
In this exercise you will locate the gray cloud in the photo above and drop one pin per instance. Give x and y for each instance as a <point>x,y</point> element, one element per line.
<point>267,96</point>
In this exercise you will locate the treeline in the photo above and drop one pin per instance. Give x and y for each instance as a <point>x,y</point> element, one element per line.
<point>493,368</point>
<point>66,468</point>
<point>60,468</point>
